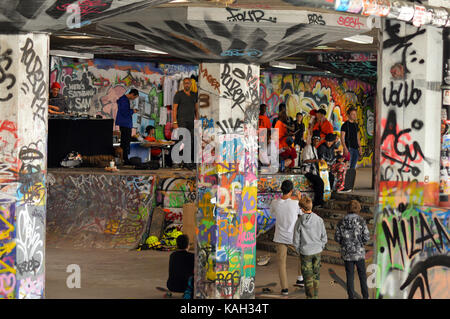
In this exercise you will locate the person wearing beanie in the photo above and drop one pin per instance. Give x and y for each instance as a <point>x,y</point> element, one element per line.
<point>56,102</point>
<point>352,234</point>
<point>327,152</point>
<point>322,126</point>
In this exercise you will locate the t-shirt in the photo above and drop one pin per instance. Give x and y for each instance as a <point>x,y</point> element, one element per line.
<point>285,212</point>
<point>186,108</point>
<point>58,101</point>
<point>264,122</point>
<point>155,150</point>
<point>351,134</point>
<point>181,267</point>
<point>282,132</point>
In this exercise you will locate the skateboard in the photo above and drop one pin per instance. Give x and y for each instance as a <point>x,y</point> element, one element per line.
<point>269,293</point>
<point>338,280</point>
<point>323,173</point>
<point>350,178</point>
<point>168,294</point>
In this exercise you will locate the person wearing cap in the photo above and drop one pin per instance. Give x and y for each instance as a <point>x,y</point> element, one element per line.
<point>56,102</point>
<point>322,126</point>
<point>327,152</point>
<point>352,234</point>
<point>310,169</point>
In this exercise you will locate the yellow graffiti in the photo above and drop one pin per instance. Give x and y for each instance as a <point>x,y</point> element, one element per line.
<point>5,233</point>
<point>112,227</point>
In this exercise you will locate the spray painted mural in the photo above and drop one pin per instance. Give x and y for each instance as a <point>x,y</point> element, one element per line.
<point>23,105</point>
<point>92,87</point>
<point>304,93</point>
<point>412,235</point>
<point>98,211</point>
<point>227,186</point>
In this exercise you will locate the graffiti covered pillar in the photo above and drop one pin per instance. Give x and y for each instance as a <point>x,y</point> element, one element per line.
<point>412,233</point>
<point>23,153</point>
<point>227,181</point>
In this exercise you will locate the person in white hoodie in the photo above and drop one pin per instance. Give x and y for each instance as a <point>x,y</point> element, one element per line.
<point>310,238</point>
<point>285,211</point>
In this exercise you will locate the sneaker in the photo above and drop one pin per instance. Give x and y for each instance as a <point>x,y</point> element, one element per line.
<point>299,283</point>
<point>284,292</point>
<point>345,191</point>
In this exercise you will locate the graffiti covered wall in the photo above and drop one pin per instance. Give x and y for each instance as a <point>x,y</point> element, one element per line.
<point>304,93</point>
<point>23,152</point>
<point>92,87</point>
<point>227,185</point>
<point>412,234</point>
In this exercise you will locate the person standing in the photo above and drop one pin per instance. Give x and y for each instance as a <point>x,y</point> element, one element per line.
<point>352,234</point>
<point>124,119</point>
<point>310,238</point>
<point>351,143</point>
<point>299,130</point>
<point>310,168</point>
<point>287,152</point>
<point>286,212</point>
<point>185,111</point>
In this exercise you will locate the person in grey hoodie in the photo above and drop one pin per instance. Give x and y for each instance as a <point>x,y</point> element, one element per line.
<point>352,234</point>
<point>310,238</point>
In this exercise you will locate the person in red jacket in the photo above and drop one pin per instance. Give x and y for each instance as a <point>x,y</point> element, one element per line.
<point>287,152</point>
<point>322,126</point>
<point>150,130</point>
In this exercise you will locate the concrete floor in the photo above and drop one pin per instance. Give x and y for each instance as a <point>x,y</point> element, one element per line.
<point>123,274</point>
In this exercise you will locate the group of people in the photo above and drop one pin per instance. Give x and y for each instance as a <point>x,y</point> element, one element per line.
<point>298,226</point>
<point>320,147</point>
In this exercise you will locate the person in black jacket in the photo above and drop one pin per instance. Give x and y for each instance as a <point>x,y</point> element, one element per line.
<point>327,152</point>
<point>181,266</point>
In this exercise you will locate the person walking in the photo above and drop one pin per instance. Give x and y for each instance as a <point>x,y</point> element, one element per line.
<point>285,211</point>
<point>352,234</point>
<point>310,238</point>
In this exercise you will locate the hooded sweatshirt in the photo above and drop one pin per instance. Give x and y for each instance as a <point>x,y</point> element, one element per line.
<point>352,234</point>
<point>310,236</point>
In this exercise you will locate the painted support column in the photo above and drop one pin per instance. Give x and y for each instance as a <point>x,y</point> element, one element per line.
<point>411,232</point>
<point>23,164</point>
<point>227,181</point>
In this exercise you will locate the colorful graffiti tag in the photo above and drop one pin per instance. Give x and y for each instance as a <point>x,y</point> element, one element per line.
<point>304,93</point>
<point>92,87</point>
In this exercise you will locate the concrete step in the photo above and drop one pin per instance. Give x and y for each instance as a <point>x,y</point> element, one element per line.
<point>349,196</point>
<point>331,257</point>
<point>339,214</point>
<point>331,224</point>
<point>368,208</point>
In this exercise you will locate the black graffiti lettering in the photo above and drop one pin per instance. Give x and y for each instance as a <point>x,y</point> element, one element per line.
<point>229,127</point>
<point>35,76</point>
<point>28,266</point>
<point>315,19</point>
<point>402,157</point>
<point>419,275</point>
<point>395,95</point>
<point>5,57</point>
<point>248,16</point>
<point>233,87</point>
<point>30,175</point>
<point>228,284</point>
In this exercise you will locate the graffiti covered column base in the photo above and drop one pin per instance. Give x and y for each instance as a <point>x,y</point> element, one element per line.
<point>411,233</point>
<point>23,168</point>
<point>227,181</point>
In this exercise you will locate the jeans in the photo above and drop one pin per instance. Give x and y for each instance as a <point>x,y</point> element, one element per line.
<point>318,187</point>
<point>125,139</point>
<point>349,271</point>
<point>354,156</point>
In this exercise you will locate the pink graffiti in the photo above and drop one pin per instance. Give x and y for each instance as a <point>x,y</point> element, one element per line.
<point>351,22</point>
<point>7,284</point>
<point>86,6</point>
<point>271,101</point>
<point>109,101</point>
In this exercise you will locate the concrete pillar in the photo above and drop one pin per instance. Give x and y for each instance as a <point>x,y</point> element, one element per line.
<point>410,229</point>
<point>227,181</point>
<point>23,152</point>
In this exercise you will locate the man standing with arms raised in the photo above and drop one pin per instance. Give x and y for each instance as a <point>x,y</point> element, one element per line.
<point>185,111</point>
